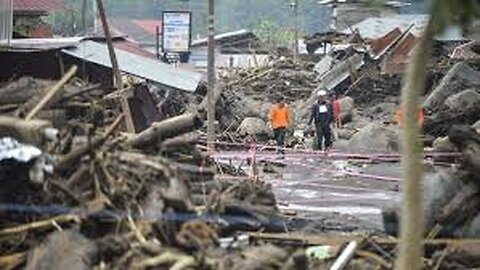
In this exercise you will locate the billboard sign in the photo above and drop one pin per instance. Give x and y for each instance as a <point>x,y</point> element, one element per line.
<point>176,31</point>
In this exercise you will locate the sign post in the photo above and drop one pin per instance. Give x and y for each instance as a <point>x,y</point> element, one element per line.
<point>176,31</point>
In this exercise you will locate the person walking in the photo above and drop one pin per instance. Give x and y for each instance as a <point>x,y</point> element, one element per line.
<point>322,116</point>
<point>280,119</point>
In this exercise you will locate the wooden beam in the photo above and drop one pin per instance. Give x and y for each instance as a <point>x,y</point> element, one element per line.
<point>52,92</point>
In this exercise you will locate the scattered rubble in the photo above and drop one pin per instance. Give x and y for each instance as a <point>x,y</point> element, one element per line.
<point>120,200</point>
<point>120,180</point>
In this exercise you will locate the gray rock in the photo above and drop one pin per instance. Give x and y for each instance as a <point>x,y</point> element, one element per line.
<point>381,111</point>
<point>476,126</point>
<point>463,101</point>
<point>253,126</point>
<point>347,109</point>
<point>63,250</point>
<point>443,144</point>
<point>358,123</point>
<point>438,191</point>
<point>374,138</point>
<point>345,134</point>
<point>460,77</point>
<point>472,229</point>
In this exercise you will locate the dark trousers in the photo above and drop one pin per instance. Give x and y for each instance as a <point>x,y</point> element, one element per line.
<point>324,136</point>
<point>279,134</point>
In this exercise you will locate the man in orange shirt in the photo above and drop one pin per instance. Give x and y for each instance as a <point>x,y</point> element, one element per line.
<point>280,119</point>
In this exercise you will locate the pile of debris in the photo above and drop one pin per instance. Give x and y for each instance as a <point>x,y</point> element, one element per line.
<point>284,78</point>
<point>81,193</point>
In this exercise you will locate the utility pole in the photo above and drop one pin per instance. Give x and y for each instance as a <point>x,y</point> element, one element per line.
<point>6,23</point>
<point>95,16</point>
<point>295,30</point>
<point>334,19</point>
<point>113,58</point>
<point>211,76</point>
<point>334,22</point>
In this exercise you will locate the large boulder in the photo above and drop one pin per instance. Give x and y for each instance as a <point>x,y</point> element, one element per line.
<point>460,77</point>
<point>347,108</point>
<point>463,101</point>
<point>443,144</point>
<point>253,126</point>
<point>374,138</point>
<point>382,111</point>
<point>438,191</point>
<point>358,123</point>
<point>345,133</point>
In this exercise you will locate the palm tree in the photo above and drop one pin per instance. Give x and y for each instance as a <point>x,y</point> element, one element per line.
<point>444,13</point>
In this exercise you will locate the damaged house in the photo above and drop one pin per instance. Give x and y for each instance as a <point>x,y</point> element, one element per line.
<point>391,39</point>
<point>29,17</point>
<point>238,49</point>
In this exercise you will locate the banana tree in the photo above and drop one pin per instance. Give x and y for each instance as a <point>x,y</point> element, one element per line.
<point>443,13</point>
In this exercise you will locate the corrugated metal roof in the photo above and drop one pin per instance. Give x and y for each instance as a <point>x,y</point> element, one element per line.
<point>381,44</point>
<point>143,67</point>
<point>373,28</point>
<point>220,37</point>
<point>141,31</point>
<point>376,27</point>
<point>399,57</point>
<point>469,50</point>
<point>39,5</point>
<point>405,46</point>
<point>132,47</point>
<point>41,44</point>
<point>340,72</point>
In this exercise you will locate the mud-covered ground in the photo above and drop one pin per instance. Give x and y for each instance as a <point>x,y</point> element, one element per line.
<point>335,193</point>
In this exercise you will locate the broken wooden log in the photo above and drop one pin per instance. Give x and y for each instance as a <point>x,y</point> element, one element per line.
<point>169,128</point>
<point>80,92</point>
<point>181,141</point>
<point>27,131</point>
<point>40,225</point>
<point>70,160</point>
<point>12,261</point>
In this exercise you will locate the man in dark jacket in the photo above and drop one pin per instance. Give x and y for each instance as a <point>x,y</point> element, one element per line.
<point>322,115</point>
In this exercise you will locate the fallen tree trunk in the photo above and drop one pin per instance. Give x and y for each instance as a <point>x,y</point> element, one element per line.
<point>182,140</point>
<point>166,129</point>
